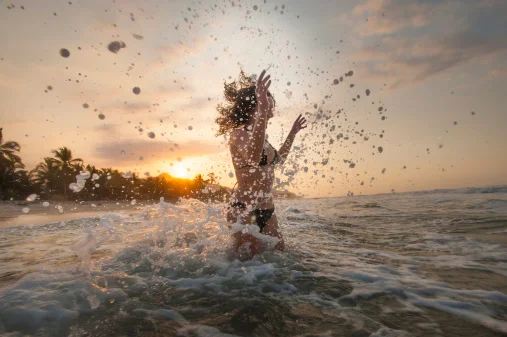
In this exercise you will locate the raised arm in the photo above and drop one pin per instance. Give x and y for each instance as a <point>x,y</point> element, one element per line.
<point>251,143</point>
<point>299,124</point>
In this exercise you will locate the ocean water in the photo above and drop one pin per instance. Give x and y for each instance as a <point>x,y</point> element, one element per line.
<point>410,264</point>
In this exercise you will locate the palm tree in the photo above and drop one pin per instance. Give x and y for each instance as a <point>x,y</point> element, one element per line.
<point>198,184</point>
<point>45,174</point>
<point>64,162</point>
<point>211,178</point>
<point>9,161</point>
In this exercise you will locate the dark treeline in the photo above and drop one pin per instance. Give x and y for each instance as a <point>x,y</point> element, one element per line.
<point>51,180</point>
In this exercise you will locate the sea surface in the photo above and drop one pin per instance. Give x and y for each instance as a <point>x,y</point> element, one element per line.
<point>402,264</point>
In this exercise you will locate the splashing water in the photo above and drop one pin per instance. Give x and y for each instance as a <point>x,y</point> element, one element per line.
<point>169,268</point>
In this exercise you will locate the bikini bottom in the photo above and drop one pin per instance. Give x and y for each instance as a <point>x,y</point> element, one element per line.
<point>262,216</point>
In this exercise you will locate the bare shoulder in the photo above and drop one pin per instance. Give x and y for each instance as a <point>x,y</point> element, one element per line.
<point>239,136</point>
<point>238,143</point>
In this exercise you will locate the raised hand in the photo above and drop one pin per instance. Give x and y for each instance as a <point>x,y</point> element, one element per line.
<point>261,91</point>
<point>299,124</point>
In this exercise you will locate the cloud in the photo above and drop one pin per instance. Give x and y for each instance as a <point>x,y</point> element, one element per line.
<point>197,104</point>
<point>129,107</point>
<point>16,123</point>
<point>129,152</point>
<point>171,54</point>
<point>499,72</point>
<point>417,61</point>
<point>389,16</point>
<point>108,128</point>
<point>413,57</point>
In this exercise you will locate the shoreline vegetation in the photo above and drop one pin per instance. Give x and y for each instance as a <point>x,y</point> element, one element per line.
<point>64,178</point>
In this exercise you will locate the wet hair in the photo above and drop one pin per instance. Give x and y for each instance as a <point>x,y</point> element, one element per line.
<point>240,106</point>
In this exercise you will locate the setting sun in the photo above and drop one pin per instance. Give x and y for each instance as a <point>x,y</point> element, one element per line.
<point>178,170</point>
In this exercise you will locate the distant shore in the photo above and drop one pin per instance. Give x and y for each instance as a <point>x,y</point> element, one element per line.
<point>12,213</point>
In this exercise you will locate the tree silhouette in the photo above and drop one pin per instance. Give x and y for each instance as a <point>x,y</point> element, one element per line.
<point>10,162</point>
<point>45,175</point>
<point>52,174</point>
<point>65,163</point>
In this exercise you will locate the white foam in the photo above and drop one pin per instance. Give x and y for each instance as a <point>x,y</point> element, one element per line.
<point>32,197</point>
<point>187,246</point>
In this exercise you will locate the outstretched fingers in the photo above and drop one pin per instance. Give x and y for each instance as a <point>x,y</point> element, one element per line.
<point>268,84</point>
<point>263,83</point>
<point>300,123</point>
<point>259,80</point>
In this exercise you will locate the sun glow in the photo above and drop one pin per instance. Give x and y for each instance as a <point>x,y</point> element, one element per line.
<point>178,170</point>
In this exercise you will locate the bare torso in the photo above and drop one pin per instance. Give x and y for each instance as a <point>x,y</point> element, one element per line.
<point>254,181</point>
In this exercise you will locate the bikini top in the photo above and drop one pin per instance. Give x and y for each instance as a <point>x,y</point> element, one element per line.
<point>264,157</point>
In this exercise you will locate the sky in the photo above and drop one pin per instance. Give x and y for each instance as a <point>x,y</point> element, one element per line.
<point>400,95</point>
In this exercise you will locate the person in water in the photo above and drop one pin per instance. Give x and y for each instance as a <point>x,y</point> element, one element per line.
<point>245,119</point>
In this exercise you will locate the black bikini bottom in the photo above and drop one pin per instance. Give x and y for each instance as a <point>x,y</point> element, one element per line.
<point>262,216</point>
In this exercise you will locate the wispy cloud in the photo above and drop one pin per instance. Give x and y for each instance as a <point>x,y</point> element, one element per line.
<point>390,16</point>
<point>129,152</point>
<point>408,56</point>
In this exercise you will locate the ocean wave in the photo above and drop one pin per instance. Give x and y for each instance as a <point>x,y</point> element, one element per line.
<point>466,190</point>
<point>368,205</point>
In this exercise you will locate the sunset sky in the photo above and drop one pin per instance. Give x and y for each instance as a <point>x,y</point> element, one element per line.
<point>436,69</point>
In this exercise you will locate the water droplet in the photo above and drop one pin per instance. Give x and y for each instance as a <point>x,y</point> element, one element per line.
<point>190,128</point>
<point>86,105</point>
<point>367,92</point>
<point>115,46</point>
<point>75,187</point>
<point>26,210</point>
<point>380,149</point>
<point>336,81</point>
<point>136,90</point>
<point>151,135</point>
<point>31,197</point>
<point>64,52</point>
<point>101,116</point>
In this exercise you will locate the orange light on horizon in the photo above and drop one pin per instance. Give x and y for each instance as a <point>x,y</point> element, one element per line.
<point>178,170</point>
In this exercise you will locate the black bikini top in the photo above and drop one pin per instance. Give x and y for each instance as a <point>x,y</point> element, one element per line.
<point>264,158</point>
